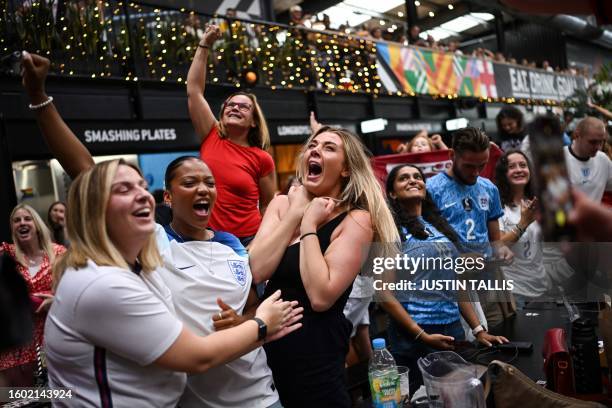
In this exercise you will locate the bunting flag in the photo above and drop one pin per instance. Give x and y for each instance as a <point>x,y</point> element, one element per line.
<point>485,78</point>
<point>430,163</point>
<point>440,74</point>
<point>416,70</point>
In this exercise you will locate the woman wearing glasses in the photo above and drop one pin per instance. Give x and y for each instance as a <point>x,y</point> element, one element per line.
<point>234,149</point>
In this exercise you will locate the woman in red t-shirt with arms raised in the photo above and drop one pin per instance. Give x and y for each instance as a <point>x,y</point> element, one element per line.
<point>234,149</point>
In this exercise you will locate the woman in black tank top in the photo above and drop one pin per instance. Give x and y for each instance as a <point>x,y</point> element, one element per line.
<point>311,245</point>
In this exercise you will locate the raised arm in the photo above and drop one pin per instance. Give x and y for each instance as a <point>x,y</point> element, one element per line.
<point>438,142</point>
<point>63,143</point>
<point>601,110</point>
<point>202,118</point>
<point>326,276</point>
<point>315,125</point>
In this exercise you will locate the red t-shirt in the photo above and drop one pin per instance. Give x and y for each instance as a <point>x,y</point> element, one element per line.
<point>237,170</point>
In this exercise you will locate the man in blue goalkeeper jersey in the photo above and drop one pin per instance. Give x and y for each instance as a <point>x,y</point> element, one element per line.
<point>471,203</point>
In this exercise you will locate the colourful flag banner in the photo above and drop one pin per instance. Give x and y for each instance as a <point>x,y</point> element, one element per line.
<point>417,70</point>
<point>421,71</point>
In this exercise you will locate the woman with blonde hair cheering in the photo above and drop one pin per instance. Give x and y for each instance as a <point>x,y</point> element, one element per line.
<point>34,254</point>
<point>311,245</point>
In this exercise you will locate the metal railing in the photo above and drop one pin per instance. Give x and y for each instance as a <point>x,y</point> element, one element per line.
<point>135,41</point>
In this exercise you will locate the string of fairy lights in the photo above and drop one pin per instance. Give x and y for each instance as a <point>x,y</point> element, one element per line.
<point>117,39</point>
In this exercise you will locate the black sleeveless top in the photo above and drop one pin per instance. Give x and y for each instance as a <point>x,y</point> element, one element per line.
<point>308,364</point>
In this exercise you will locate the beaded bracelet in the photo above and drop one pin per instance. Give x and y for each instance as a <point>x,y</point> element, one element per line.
<point>41,105</point>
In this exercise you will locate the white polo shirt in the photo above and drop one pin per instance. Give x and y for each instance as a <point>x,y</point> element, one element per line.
<point>105,329</point>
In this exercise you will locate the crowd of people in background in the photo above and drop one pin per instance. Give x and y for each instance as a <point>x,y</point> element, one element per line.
<point>414,37</point>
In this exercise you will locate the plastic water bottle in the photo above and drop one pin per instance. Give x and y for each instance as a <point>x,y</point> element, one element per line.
<point>384,378</point>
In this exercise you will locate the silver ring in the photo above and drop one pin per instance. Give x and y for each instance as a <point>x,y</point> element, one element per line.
<point>220,315</point>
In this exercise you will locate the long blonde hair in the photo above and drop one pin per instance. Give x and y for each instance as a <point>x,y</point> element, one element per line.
<point>86,224</point>
<point>259,136</point>
<point>360,190</point>
<point>42,232</point>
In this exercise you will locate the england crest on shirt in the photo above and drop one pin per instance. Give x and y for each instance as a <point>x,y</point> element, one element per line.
<point>239,271</point>
<point>585,172</point>
<point>483,202</point>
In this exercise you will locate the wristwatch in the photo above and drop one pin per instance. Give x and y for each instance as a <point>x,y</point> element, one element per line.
<point>263,329</point>
<point>477,330</point>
